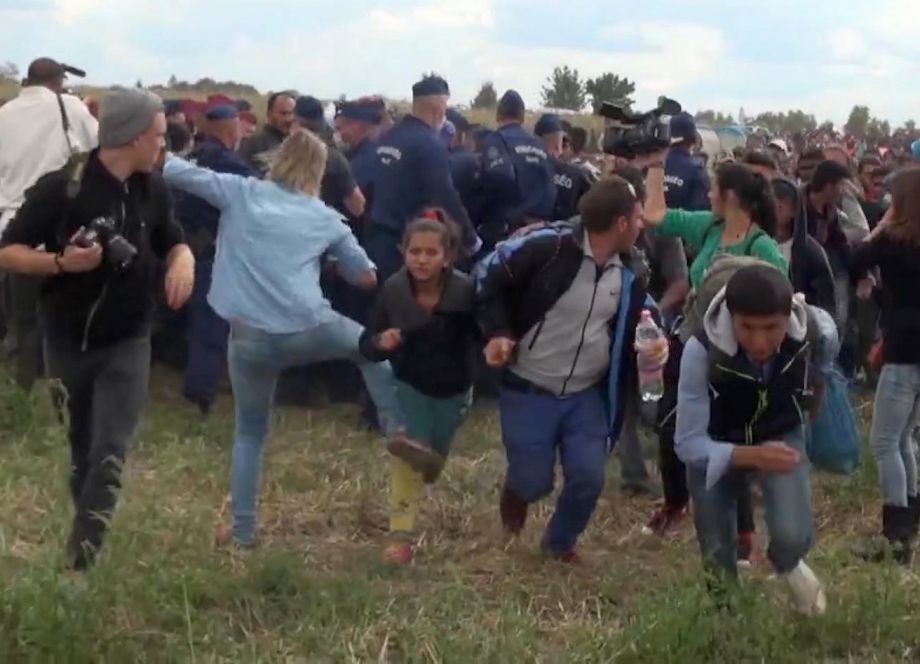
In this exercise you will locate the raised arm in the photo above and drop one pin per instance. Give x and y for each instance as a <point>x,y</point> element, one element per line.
<point>218,189</point>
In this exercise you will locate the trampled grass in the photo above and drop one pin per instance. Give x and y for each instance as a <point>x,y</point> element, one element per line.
<point>316,591</point>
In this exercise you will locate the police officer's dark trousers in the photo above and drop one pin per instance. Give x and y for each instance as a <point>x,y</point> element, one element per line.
<point>105,391</point>
<point>207,340</point>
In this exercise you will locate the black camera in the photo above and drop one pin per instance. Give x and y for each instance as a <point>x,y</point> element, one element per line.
<point>118,252</point>
<point>631,135</point>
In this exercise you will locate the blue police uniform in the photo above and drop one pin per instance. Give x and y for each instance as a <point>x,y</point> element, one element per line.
<point>465,171</point>
<point>516,182</point>
<point>363,160</point>
<point>412,173</point>
<point>686,180</point>
<point>207,332</point>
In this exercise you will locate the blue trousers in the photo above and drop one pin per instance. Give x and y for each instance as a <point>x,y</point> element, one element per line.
<point>787,507</point>
<point>537,427</point>
<point>256,360</point>
<point>207,340</point>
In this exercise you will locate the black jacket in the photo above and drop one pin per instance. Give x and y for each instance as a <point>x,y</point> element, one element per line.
<point>747,410</point>
<point>106,305</point>
<point>810,270</point>
<point>519,282</point>
<point>827,232</point>
<point>440,349</point>
<point>253,149</point>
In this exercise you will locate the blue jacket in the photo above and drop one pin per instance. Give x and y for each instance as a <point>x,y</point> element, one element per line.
<point>197,216</point>
<point>363,160</point>
<point>524,278</point>
<point>269,250</point>
<point>686,180</point>
<point>465,173</point>
<point>517,178</point>
<point>412,173</point>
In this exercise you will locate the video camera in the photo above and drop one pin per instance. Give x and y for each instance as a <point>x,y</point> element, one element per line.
<point>630,135</point>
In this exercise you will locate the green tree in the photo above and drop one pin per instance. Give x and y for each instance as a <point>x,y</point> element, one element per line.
<point>564,89</point>
<point>858,122</point>
<point>910,126</point>
<point>10,71</point>
<point>487,97</point>
<point>173,81</point>
<point>791,122</point>
<point>610,87</point>
<point>715,119</point>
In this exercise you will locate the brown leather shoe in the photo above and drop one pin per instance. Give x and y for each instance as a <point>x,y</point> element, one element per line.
<point>513,511</point>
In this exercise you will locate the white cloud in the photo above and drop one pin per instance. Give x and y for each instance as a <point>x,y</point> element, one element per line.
<point>848,44</point>
<point>863,53</point>
<point>69,12</point>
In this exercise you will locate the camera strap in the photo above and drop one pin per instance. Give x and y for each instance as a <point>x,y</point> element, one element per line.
<point>65,123</point>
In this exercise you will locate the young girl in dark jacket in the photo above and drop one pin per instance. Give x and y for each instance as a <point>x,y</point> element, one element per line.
<point>424,323</point>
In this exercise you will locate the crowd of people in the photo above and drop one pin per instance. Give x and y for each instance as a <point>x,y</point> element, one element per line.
<point>441,258</point>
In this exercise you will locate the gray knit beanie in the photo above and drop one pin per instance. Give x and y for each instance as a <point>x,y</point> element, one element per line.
<point>125,114</point>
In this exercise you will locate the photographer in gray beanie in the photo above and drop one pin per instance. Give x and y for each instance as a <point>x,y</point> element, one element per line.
<point>103,222</point>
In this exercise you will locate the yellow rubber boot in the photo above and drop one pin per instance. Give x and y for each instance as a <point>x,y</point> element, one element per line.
<point>405,496</point>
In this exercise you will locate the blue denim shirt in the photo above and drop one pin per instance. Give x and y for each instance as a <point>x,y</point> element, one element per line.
<point>270,244</point>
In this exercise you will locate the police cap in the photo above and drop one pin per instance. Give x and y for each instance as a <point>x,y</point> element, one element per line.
<point>549,123</point>
<point>222,112</point>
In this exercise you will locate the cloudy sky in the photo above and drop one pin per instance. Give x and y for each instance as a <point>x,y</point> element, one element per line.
<point>823,55</point>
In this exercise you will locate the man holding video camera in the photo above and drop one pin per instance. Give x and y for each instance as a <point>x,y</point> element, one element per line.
<point>103,221</point>
<point>39,131</point>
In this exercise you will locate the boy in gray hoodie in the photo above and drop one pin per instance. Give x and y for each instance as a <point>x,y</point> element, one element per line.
<point>747,377</point>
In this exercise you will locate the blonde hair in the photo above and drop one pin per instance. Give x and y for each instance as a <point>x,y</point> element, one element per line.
<point>300,162</point>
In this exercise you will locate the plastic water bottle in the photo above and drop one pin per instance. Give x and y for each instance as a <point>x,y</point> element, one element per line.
<point>651,374</point>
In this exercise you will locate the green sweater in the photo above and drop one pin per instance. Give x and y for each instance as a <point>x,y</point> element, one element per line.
<point>696,229</point>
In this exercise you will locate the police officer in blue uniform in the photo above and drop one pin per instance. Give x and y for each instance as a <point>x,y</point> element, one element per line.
<point>413,174</point>
<point>572,182</point>
<point>464,164</point>
<point>356,123</point>
<point>207,332</point>
<point>517,176</point>
<point>686,180</point>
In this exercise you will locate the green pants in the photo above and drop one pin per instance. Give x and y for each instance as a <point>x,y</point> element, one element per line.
<point>430,420</point>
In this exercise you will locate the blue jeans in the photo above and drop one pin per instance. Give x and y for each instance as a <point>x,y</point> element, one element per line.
<point>207,340</point>
<point>534,427</point>
<point>256,358</point>
<point>787,503</point>
<point>893,420</point>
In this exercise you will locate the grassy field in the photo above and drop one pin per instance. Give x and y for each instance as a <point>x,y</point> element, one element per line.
<point>316,591</point>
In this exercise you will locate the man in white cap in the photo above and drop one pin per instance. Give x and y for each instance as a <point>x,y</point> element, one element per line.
<point>102,221</point>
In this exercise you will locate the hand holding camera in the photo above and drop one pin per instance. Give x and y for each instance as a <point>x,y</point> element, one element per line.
<point>76,258</point>
<point>100,235</point>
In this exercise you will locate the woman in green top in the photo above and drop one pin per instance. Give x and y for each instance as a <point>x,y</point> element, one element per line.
<point>741,222</point>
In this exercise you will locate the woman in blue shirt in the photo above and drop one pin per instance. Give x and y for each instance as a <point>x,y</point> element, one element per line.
<point>272,236</point>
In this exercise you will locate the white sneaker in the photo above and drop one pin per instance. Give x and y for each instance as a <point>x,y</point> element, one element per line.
<point>807,592</point>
